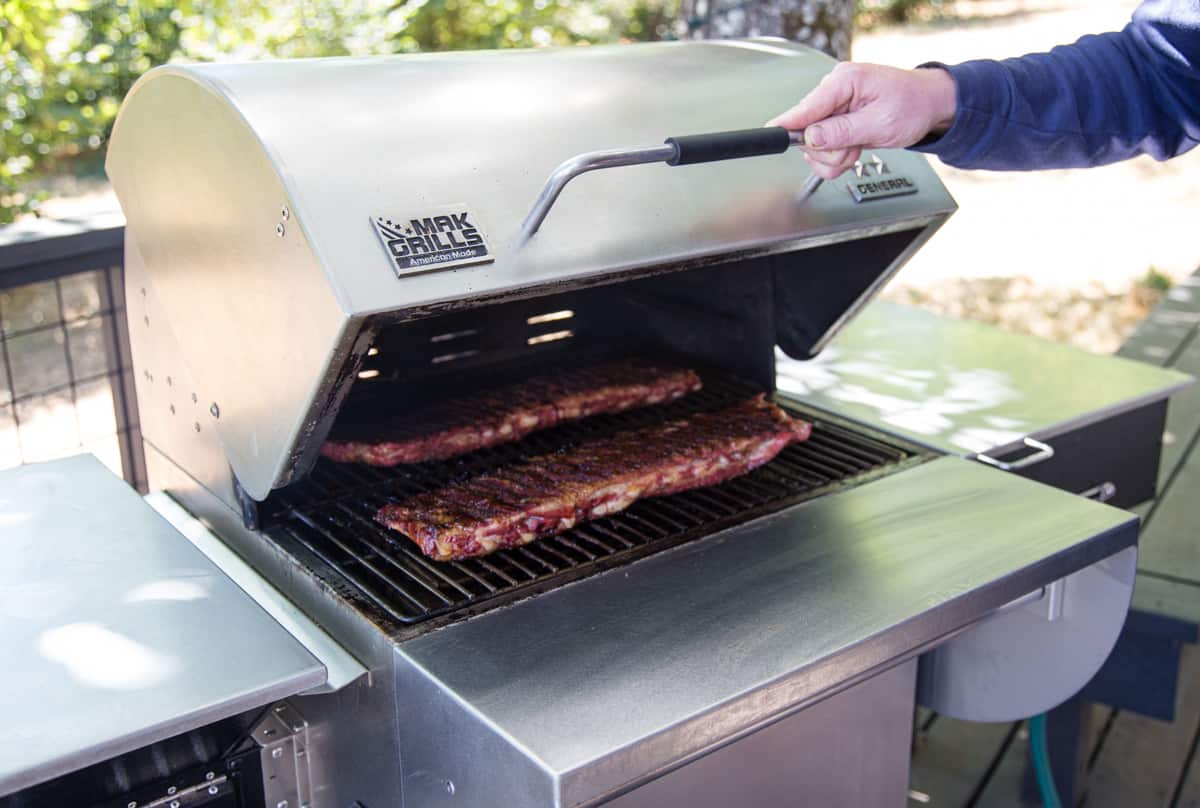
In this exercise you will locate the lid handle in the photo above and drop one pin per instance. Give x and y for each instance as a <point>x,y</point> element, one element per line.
<point>716,146</point>
<point>675,151</point>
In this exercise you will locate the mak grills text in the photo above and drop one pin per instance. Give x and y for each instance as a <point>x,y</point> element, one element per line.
<point>438,240</point>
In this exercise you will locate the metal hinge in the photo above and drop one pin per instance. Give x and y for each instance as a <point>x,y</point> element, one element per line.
<point>283,736</point>
<point>213,786</point>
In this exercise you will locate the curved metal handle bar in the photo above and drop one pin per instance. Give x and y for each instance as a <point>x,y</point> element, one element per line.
<point>591,161</point>
<point>809,188</point>
<point>1044,451</point>
<point>581,164</point>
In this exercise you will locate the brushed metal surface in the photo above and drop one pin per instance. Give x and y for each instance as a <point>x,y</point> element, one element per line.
<point>341,668</point>
<point>287,569</point>
<point>253,314</point>
<point>578,694</point>
<point>352,743</point>
<point>171,402</point>
<point>852,749</point>
<point>365,158</point>
<point>266,309</point>
<point>116,631</point>
<point>963,387</point>
<point>1034,657</point>
<point>353,730</point>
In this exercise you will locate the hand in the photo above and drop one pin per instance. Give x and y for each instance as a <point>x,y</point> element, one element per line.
<point>862,106</point>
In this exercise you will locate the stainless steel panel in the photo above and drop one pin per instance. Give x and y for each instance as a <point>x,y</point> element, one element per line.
<point>583,692</point>
<point>352,734</point>
<point>353,731</point>
<point>851,749</point>
<point>217,299</point>
<point>1036,656</point>
<point>170,400</point>
<point>116,631</point>
<point>963,387</point>
<point>341,668</point>
<point>284,568</point>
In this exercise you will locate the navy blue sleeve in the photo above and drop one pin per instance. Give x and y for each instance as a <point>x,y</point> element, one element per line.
<point>1105,98</point>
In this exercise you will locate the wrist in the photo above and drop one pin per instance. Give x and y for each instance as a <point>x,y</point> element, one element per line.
<point>941,93</point>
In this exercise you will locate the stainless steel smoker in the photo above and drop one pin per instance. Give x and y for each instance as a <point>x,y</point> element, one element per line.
<point>314,245</point>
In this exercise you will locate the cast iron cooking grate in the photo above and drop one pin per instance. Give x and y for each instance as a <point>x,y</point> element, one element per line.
<point>329,517</point>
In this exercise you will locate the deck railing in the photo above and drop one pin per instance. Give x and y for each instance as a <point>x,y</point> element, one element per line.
<point>66,380</point>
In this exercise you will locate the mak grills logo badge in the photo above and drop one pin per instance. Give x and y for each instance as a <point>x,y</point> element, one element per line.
<point>447,237</point>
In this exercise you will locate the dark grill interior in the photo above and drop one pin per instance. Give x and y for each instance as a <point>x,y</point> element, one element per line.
<point>328,517</point>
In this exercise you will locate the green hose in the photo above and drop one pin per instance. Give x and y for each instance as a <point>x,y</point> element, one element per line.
<point>1041,762</point>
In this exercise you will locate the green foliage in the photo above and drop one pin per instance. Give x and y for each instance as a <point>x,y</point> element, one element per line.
<point>1156,281</point>
<point>871,12</point>
<point>460,24</point>
<point>65,65</point>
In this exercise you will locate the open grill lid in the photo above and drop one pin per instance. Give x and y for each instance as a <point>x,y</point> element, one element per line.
<point>269,206</point>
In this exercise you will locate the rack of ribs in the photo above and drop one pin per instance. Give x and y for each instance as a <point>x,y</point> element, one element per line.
<point>552,493</point>
<point>509,413</point>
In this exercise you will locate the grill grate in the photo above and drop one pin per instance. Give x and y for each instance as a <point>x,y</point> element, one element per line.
<point>330,515</point>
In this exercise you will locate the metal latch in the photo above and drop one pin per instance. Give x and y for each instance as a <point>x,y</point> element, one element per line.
<point>283,736</point>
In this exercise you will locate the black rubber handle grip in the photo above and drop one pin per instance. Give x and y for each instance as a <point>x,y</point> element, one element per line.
<point>728,145</point>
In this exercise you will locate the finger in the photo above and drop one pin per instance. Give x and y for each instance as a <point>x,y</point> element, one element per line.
<point>830,168</point>
<point>831,96</point>
<point>841,157</point>
<point>852,130</point>
<point>830,157</point>
<point>823,171</point>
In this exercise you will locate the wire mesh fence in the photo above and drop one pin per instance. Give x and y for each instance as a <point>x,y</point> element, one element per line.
<point>66,382</point>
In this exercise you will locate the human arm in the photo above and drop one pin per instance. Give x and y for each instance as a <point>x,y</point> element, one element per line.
<point>858,106</point>
<point>1104,98</point>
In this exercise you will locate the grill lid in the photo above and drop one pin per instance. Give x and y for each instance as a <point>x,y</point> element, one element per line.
<point>364,146</point>
<point>276,206</point>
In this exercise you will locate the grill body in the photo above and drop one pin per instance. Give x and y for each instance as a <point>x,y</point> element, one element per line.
<point>266,314</point>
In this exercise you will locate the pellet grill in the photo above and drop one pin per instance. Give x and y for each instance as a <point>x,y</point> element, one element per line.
<point>315,247</point>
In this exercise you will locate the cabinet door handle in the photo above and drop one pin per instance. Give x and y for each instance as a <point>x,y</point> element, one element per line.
<point>1042,451</point>
<point>1101,493</point>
